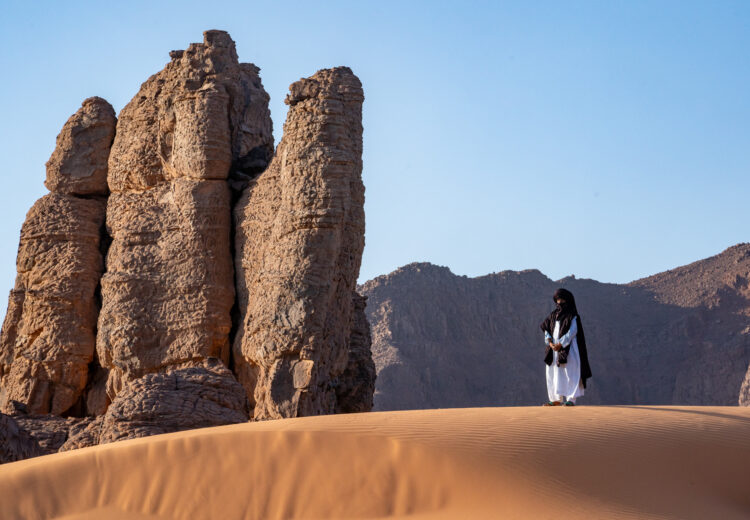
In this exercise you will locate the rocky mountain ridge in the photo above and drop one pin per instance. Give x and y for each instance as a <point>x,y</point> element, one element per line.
<point>679,337</point>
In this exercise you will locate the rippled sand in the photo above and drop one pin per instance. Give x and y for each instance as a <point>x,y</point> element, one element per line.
<point>472,463</point>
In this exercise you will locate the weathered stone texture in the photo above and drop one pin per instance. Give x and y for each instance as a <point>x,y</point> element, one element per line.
<point>168,288</point>
<point>299,241</point>
<point>78,166</point>
<point>15,442</point>
<point>47,339</point>
<point>193,395</point>
<point>744,399</point>
<point>203,113</point>
<point>51,431</point>
<point>139,342</point>
<point>356,387</point>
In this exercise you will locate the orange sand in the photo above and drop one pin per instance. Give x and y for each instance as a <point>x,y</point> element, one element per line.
<point>475,463</point>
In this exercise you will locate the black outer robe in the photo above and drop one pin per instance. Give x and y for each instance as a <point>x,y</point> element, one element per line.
<point>565,315</point>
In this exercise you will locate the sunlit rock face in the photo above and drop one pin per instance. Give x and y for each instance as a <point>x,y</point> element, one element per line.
<point>134,280</point>
<point>168,290</point>
<point>299,241</point>
<point>47,340</point>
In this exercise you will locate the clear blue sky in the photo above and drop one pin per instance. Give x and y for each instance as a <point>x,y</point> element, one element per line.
<point>610,140</point>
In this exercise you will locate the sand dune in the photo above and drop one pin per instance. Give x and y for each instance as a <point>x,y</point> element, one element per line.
<point>601,462</point>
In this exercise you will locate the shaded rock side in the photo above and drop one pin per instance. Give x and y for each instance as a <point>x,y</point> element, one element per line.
<point>195,395</point>
<point>47,339</point>
<point>744,398</point>
<point>299,241</point>
<point>15,442</point>
<point>356,386</point>
<point>78,166</point>
<point>195,127</point>
<point>51,431</point>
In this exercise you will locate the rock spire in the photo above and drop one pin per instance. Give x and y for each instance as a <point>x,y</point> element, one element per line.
<point>47,340</point>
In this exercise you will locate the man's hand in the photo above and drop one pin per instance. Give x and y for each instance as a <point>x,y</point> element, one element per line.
<point>556,347</point>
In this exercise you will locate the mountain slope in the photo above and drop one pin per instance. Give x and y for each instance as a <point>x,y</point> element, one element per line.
<point>678,337</point>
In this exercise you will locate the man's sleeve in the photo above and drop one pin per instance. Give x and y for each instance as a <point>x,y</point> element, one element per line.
<point>567,338</point>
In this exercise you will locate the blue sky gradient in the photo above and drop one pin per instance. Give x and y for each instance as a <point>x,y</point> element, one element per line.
<point>610,140</point>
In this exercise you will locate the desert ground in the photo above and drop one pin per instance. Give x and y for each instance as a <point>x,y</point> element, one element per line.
<point>523,462</point>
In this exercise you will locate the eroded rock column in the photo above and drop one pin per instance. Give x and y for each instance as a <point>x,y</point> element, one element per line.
<point>199,124</point>
<point>47,338</point>
<point>299,241</point>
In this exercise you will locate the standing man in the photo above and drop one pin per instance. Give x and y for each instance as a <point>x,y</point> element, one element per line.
<point>566,357</point>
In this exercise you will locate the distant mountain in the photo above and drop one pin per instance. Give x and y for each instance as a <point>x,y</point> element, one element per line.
<point>679,337</point>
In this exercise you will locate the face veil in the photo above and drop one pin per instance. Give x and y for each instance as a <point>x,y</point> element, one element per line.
<point>565,312</point>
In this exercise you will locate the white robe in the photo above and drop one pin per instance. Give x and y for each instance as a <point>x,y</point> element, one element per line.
<point>565,381</point>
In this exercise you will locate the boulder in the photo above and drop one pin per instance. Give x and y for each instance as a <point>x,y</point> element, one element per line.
<point>193,395</point>
<point>51,431</point>
<point>15,442</point>
<point>78,166</point>
<point>203,117</point>
<point>125,320</point>
<point>47,340</point>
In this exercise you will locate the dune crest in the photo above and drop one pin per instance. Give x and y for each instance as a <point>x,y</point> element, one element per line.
<point>599,462</point>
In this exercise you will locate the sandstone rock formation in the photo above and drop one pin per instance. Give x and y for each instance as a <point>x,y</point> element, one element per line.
<point>193,395</point>
<point>47,340</point>
<point>299,242</point>
<point>140,219</point>
<point>168,288</point>
<point>15,442</point>
<point>681,337</point>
